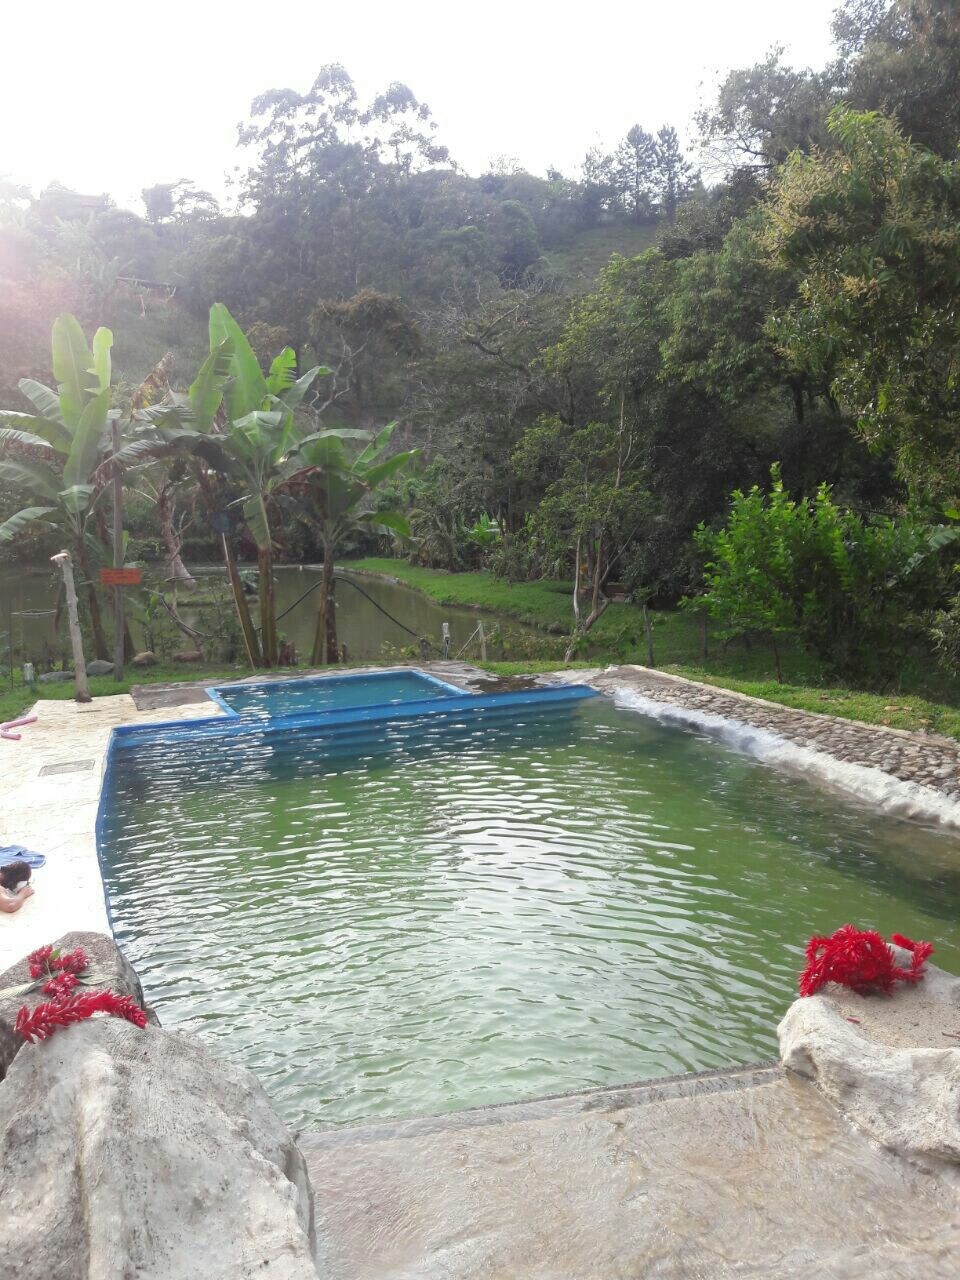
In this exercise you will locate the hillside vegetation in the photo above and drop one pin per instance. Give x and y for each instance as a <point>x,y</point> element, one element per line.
<point>580,394</point>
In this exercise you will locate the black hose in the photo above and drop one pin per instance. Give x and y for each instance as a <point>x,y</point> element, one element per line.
<point>367,596</point>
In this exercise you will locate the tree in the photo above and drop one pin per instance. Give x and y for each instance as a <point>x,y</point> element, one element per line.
<point>239,424</point>
<point>601,182</point>
<point>846,587</point>
<point>334,488</point>
<point>635,163</point>
<point>873,227</point>
<point>328,181</point>
<point>258,431</point>
<point>764,112</point>
<point>672,178</point>
<point>591,513</point>
<point>903,59</point>
<point>158,201</point>
<point>54,453</point>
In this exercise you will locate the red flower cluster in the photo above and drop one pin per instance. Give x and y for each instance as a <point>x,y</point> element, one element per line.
<point>60,986</point>
<point>45,961</point>
<point>44,1020</point>
<point>63,1008</point>
<point>38,961</point>
<point>860,959</point>
<point>72,961</point>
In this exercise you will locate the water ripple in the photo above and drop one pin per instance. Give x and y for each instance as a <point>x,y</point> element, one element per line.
<point>471,913</point>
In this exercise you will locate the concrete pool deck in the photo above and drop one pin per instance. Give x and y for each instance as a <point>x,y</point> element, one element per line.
<point>747,1172</point>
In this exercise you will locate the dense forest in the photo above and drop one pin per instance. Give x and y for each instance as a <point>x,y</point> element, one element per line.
<point>740,392</point>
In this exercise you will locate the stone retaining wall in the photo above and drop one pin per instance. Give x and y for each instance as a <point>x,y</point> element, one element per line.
<point>923,763</point>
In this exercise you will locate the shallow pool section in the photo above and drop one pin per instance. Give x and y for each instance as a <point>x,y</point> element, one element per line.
<point>462,909</point>
<point>263,699</point>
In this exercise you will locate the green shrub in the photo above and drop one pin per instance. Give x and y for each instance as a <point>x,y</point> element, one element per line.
<point>851,590</point>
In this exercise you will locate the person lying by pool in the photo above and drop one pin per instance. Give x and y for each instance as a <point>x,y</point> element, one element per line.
<point>15,887</point>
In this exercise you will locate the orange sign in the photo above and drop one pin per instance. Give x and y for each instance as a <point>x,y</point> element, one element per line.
<point>120,577</point>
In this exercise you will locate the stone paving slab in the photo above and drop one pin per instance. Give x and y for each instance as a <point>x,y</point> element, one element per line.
<point>741,1173</point>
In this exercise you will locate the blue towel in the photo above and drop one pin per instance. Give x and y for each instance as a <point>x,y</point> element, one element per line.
<point>17,853</point>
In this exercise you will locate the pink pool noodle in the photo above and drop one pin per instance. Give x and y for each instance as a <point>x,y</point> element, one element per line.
<point>14,724</point>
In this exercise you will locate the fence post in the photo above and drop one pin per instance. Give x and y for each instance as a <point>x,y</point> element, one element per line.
<point>81,688</point>
<point>648,632</point>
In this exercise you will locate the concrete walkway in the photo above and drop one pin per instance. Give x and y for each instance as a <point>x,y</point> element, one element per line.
<point>740,1173</point>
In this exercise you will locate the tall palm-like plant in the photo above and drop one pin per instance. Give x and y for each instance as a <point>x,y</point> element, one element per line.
<point>239,424</point>
<point>259,432</point>
<point>334,488</point>
<point>54,452</point>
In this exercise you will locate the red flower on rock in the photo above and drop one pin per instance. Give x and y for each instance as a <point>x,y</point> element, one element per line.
<point>60,985</point>
<point>44,1020</point>
<point>862,960</point>
<point>62,1009</point>
<point>37,960</point>
<point>71,961</point>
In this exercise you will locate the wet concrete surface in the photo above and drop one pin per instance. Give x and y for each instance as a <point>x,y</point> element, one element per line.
<point>747,1172</point>
<point>148,697</point>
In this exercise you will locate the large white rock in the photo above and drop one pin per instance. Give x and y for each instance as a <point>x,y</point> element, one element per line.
<point>136,1153</point>
<point>891,1064</point>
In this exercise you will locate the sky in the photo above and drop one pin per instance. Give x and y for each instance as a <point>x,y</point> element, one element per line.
<point>118,96</point>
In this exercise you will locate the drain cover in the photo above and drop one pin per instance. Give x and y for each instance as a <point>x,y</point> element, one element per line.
<point>71,766</point>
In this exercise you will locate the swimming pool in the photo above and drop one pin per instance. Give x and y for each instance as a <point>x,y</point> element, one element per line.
<point>457,909</point>
<point>262,699</point>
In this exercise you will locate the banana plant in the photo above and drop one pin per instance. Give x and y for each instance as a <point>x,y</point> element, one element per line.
<point>333,488</point>
<point>258,435</point>
<point>239,423</point>
<point>53,453</point>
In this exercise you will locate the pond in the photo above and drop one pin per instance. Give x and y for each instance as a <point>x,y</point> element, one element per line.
<point>461,912</point>
<point>375,617</point>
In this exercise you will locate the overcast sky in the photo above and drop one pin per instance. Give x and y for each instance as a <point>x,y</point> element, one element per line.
<point>116,96</point>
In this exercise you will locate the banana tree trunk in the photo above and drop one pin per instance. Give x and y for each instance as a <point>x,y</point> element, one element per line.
<point>250,641</point>
<point>268,608</point>
<point>326,647</point>
<point>176,570</point>
<point>96,622</point>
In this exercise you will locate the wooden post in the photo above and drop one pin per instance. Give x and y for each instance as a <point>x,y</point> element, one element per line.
<point>648,632</point>
<point>119,622</point>
<point>483,643</point>
<point>82,689</point>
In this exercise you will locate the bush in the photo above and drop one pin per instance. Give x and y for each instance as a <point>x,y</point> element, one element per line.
<point>945,634</point>
<point>850,590</point>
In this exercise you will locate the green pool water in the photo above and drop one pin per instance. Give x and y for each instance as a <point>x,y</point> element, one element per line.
<point>436,918</point>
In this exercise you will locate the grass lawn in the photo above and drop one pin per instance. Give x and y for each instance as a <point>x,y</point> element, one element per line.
<point>925,698</point>
<point>581,261</point>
